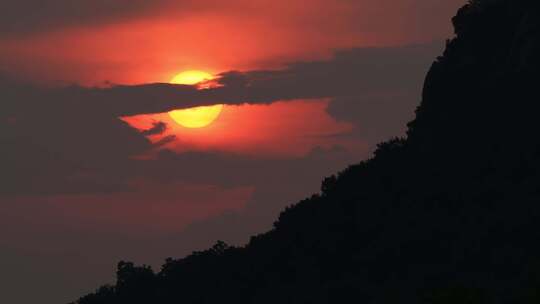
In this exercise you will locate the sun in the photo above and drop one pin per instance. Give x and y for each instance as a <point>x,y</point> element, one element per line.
<point>191,77</point>
<point>198,117</point>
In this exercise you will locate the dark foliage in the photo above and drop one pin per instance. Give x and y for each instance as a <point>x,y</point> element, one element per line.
<point>448,215</point>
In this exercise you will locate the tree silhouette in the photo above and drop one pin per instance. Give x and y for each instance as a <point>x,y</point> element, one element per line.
<point>447,215</point>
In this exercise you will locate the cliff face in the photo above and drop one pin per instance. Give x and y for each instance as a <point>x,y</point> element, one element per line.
<point>486,76</point>
<point>448,215</point>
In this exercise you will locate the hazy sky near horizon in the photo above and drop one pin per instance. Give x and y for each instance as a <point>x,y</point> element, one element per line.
<point>95,170</point>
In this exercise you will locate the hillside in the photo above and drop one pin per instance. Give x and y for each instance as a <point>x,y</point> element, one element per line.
<point>448,215</point>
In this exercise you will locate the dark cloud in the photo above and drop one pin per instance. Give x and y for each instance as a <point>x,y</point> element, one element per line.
<point>377,117</point>
<point>31,16</point>
<point>415,20</point>
<point>27,16</point>
<point>71,138</point>
<point>157,128</point>
<point>24,17</point>
<point>354,72</point>
<point>349,72</point>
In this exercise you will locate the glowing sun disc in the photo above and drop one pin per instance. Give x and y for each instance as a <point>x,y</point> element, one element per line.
<point>198,117</point>
<point>191,77</point>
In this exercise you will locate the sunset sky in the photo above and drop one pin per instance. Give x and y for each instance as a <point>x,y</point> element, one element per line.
<point>94,169</point>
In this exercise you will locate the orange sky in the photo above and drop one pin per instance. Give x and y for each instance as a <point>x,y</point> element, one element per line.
<point>242,35</point>
<point>280,129</point>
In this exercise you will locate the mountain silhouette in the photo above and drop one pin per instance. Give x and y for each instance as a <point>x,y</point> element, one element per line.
<point>449,214</point>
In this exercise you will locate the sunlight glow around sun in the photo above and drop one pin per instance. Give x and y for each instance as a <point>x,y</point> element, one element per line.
<point>198,117</point>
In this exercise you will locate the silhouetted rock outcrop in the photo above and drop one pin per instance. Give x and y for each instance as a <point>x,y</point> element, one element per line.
<point>448,215</point>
